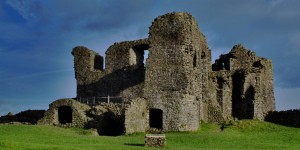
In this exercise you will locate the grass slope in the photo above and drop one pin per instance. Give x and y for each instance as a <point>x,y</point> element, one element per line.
<point>245,134</point>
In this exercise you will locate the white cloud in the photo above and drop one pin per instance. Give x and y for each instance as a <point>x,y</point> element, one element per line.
<point>24,8</point>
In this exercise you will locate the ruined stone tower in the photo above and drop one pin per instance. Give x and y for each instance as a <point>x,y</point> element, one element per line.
<point>176,70</point>
<point>177,88</point>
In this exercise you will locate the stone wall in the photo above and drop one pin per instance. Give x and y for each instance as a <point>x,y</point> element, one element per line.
<point>136,116</point>
<point>128,54</point>
<point>123,76</point>
<point>85,73</point>
<point>219,103</point>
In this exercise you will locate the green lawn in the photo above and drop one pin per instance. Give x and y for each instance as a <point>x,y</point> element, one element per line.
<point>244,134</point>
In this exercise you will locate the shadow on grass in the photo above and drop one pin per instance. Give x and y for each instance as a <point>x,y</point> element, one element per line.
<point>134,144</point>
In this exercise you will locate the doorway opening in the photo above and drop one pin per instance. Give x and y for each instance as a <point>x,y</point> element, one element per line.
<point>65,114</point>
<point>156,118</point>
<point>111,124</point>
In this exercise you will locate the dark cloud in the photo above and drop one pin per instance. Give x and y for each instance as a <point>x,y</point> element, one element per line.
<point>270,28</point>
<point>38,36</point>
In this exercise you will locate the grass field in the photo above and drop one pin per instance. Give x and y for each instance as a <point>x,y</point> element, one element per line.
<point>243,134</point>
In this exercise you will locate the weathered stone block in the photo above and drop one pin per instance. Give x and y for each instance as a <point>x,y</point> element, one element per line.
<point>155,140</point>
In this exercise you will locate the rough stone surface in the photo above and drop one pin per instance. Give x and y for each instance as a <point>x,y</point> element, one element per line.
<point>176,88</point>
<point>155,140</point>
<point>244,84</point>
<point>123,76</point>
<point>108,119</point>
<point>174,73</point>
<point>136,116</point>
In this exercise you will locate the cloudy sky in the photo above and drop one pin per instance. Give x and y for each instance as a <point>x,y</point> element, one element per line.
<point>37,36</point>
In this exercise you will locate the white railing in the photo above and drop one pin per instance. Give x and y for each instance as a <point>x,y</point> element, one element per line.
<point>97,100</point>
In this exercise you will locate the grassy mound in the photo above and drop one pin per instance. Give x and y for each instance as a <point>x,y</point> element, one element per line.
<point>245,134</point>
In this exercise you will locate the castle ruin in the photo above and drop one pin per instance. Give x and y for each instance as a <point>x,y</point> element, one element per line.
<point>176,88</point>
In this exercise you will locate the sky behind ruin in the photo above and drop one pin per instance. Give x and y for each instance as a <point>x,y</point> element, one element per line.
<point>37,37</point>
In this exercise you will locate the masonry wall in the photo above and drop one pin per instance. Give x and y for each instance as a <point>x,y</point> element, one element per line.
<point>267,87</point>
<point>136,116</point>
<point>128,54</point>
<point>123,76</point>
<point>85,73</point>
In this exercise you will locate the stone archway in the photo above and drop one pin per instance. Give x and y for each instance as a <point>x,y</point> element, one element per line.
<point>65,114</point>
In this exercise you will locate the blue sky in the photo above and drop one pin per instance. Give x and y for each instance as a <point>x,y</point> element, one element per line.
<point>37,36</point>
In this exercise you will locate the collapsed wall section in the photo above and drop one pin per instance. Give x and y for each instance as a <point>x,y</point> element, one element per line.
<point>219,104</point>
<point>252,83</point>
<point>128,54</point>
<point>122,78</point>
<point>266,90</point>
<point>88,66</point>
<point>125,70</point>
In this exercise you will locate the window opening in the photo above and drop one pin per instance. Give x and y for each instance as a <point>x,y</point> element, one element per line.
<point>98,62</point>
<point>138,55</point>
